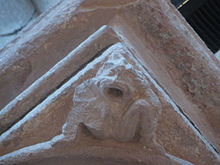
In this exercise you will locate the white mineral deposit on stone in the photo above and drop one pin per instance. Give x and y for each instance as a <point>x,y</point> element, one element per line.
<point>23,97</point>
<point>51,97</point>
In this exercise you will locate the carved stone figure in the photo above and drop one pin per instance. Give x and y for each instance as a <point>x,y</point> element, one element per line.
<point>131,117</point>
<point>113,121</point>
<point>118,103</point>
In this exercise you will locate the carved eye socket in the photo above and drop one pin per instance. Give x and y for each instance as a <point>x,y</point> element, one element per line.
<point>114,92</point>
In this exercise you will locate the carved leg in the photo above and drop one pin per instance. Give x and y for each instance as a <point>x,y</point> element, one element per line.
<point>130,122</point>
<point>149,119</point>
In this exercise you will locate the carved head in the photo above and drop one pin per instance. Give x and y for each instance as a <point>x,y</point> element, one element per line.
<point>111,104</point>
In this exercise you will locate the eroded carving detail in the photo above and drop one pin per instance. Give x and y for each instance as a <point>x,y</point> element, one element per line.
<point>117,103</point>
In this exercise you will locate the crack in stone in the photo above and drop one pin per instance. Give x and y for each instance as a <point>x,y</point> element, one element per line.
<point>194,125</point>
<point>178,109</point>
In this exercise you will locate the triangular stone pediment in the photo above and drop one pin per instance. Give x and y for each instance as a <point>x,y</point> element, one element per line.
<point>109,82</point>
<point>111,112</point>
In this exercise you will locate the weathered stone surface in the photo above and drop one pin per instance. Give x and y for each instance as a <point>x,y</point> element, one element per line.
<point>166,45</point>
<point>161,41</point>
<point>20,71</point>
<point>158,134</point>
<point>57,75</point>
<point>47,40</point>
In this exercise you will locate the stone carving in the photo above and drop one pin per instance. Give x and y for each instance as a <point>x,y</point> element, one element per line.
<point>119,108</point>
<point>118,103</point>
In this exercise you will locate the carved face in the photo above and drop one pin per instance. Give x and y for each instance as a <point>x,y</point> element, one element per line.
<point>112,103</point>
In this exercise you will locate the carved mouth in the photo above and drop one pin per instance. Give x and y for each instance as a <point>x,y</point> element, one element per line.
<point>114,92</point>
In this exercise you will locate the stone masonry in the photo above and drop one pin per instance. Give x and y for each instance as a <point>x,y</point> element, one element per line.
<point>107,82</point>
